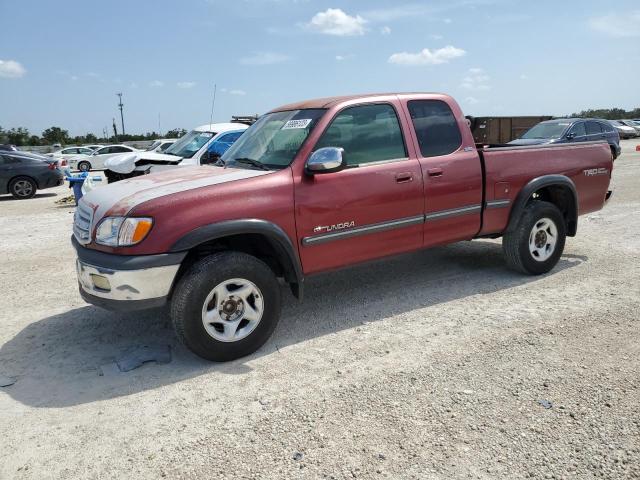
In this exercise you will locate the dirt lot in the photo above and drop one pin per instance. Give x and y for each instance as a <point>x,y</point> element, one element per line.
<point>431,365</point>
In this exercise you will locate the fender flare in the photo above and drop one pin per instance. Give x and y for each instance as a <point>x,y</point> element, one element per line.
<point>276,236</point>
<point>541,182</point>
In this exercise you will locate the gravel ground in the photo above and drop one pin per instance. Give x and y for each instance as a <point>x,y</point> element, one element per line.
<point>441,364</point>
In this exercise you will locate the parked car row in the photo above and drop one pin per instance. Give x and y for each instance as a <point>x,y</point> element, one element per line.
<point>203,145</point>
<point>627,128</point>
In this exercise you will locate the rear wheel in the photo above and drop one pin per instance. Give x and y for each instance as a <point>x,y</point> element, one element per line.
<point>23,188</point>
<point>535,245</point>
<point>84,166</point>
<point>226,306</point>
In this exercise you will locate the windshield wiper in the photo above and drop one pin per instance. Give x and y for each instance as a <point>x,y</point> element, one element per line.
<point>252,162</point>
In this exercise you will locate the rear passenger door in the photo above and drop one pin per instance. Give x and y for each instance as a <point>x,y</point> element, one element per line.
<point>451,171</point>
<point>595,131</point>
<point>371,209</point>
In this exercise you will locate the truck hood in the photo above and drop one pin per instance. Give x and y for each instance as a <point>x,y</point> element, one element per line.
<point>126,162</point>
<point>120,197</point>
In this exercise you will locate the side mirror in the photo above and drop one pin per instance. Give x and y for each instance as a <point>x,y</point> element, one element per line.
<point>326,160</point>
<point>571,136</point>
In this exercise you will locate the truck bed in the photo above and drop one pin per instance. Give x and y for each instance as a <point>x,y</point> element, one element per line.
<point>508,168</point>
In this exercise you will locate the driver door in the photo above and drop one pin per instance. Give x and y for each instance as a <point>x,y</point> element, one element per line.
<point>371,209</point>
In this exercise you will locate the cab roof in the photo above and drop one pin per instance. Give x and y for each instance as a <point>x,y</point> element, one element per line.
<point>220,127</point>
<point>328,102</point>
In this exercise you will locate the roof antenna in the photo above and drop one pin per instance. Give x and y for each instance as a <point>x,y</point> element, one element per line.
<point>213,103</point>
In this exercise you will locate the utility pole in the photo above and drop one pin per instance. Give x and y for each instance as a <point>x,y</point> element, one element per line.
<point>213,102</point>
<point>159,129</point>
<point>120,104</point>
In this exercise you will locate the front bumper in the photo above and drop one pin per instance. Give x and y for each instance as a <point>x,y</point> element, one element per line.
<point>125,282</point>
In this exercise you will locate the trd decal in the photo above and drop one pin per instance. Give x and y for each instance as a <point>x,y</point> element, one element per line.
<point>592,172</point>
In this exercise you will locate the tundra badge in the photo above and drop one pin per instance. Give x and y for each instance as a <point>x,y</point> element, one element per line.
<point>337,226</point>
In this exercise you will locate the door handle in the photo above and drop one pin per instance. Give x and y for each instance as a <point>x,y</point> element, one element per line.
<point>435,172</point>
<point>404,177</point>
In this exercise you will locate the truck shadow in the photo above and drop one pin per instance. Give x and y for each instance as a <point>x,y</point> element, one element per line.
<point>57,360</point>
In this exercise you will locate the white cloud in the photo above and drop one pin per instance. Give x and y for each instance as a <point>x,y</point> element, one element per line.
<point>336,22</point>
<point>472,100</point>
<point>427,57</point>
<point>264,58</point>
<point>617,24</point>
<point>237,92</point>
<point>186,84</point>
<point>385,30</point>
<point>74,77</point>
<point>133,85</point>
<point>447,20</point>
<point>342,58</point>
<point>524,77</point>
<point>436,36</point>
<point>11,69</point>
<point>476,80</point>
<point>156,83</point>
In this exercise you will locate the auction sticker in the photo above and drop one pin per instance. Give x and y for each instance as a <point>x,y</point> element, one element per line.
<point>302,123</point>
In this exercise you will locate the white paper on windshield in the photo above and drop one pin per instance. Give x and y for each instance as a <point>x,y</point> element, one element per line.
<point>301,123</point>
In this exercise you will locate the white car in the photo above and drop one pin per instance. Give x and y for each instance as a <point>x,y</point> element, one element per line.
<point>202,145</point>
<point>161,145</point>
<point>98,157</point>
<point>67,153</point>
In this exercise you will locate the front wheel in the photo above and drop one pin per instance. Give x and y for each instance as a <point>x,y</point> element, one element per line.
<point>535,245</point>
<point>84,166</point>
<point>226,306</point>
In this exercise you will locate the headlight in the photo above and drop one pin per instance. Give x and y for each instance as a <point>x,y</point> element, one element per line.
<point>123,231</point>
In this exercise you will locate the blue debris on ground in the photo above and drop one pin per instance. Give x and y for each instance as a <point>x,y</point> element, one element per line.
<point>6,381</point>
<point>135,357</point>
<point>545,403</point>
<point>141,354</point>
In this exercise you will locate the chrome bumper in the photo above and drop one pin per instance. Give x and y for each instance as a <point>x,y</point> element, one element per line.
<point>126,285</point>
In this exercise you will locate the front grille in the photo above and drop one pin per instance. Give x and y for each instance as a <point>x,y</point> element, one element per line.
<point>82,223</point>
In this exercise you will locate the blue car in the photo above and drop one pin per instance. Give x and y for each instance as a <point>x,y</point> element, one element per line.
<point>571,130</point>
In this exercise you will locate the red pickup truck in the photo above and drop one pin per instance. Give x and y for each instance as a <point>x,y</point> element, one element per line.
<point>315,186</point>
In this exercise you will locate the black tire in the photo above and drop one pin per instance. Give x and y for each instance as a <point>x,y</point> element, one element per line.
<point>23,188</point>
<point>198,282</point>
<point>84,166</point>
<point>516,243</point>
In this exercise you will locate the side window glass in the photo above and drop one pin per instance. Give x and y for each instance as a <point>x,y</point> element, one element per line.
<point>368,133</point>
<point>578,130</point>
<point>593,128</point>
<point>164,146</point>
<point>436,127</point>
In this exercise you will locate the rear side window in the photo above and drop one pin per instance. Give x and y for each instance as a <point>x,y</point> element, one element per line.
<point>607,127</point>
<point>436,127</point>
<point>593,128</point>
<point>230,137</point>
<point>368,133</point>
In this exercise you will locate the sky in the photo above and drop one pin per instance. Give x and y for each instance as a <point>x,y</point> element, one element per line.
<point>62,62</point>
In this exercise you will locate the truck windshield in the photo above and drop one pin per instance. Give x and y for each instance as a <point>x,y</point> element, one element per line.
<point>546,130</point>
<point>187,145</point>
<point>274,140</point>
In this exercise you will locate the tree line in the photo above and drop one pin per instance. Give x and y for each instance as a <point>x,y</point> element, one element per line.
<point>21,136</point>
<point>609,114</point>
